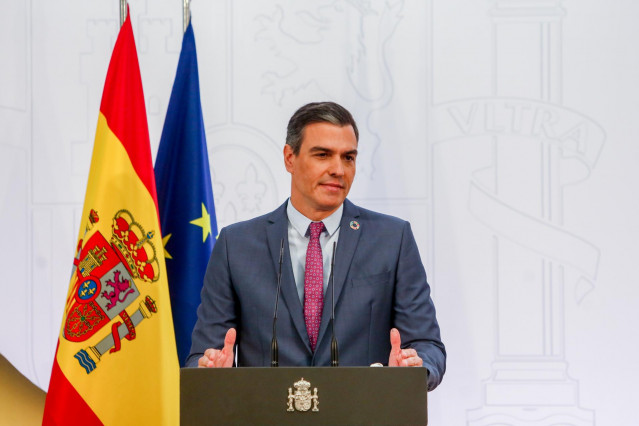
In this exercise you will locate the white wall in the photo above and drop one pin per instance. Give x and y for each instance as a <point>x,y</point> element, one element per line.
<point>505,131</point>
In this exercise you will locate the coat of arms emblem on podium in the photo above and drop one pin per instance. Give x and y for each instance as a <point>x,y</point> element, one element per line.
<point>302,399</point>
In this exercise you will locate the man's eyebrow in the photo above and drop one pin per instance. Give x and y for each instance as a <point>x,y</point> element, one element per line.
<point>323,149</point>
<point>320,149</point>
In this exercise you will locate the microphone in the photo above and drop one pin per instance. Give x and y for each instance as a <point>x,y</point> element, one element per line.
<point>274,349</point>
<point>334,351</point>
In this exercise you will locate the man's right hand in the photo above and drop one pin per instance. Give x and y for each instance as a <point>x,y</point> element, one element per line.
<point>217,358</point>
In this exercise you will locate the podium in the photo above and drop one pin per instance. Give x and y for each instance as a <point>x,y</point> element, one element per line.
<point>303,395</point>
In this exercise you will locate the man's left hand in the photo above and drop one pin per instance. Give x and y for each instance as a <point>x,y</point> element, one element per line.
<point>402,357</point>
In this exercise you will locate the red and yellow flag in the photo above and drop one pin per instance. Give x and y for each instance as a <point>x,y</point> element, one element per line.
<point>116,361</point>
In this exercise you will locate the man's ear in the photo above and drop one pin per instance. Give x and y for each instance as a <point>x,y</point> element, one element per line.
<point>289,158</point>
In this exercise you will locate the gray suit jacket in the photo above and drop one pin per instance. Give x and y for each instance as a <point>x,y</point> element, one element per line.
<point>380,283</point>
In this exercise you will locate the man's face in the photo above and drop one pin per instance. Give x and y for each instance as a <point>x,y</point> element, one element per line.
<point>323,171</point>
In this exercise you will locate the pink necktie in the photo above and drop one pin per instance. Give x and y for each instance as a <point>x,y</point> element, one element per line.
<point>314,284</point>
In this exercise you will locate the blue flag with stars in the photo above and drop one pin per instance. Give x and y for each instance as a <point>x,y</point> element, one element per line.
<point>185,196</point>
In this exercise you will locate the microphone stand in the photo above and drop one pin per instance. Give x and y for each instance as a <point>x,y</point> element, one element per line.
<point>334,350</point>
<point>274,348</point>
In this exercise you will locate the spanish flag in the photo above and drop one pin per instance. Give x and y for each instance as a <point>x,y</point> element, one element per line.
<point>116,360</point>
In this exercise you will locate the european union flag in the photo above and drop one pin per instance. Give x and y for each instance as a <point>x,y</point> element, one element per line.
<point>185,196</point>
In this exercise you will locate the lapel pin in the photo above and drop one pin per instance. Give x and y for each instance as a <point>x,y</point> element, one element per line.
<point>354,225</point>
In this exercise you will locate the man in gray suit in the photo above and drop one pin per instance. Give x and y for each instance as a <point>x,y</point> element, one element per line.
<point>380,283</point>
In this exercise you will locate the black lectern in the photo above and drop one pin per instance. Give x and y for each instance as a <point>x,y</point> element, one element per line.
<point>303,395</point>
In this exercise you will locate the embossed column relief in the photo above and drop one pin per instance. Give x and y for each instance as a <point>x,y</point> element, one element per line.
<point>533,148</point>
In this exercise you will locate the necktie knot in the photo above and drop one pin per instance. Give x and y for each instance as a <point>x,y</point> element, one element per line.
<point>315,229</point>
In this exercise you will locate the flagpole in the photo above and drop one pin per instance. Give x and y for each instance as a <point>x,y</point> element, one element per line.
<point>186,14</point>
<point>122,12</point>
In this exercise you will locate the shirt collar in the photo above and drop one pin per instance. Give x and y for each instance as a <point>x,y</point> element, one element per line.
<point>301,222</point>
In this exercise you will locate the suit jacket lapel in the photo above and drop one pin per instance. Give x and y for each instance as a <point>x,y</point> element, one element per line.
<point>346,245</point>
<point>277,230</point>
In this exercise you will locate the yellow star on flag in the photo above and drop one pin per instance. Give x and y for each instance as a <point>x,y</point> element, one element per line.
<point>204,222</point>
<point>165,241</point>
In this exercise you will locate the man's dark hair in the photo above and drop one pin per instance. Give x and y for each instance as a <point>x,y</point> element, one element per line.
<point>316,112</point>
